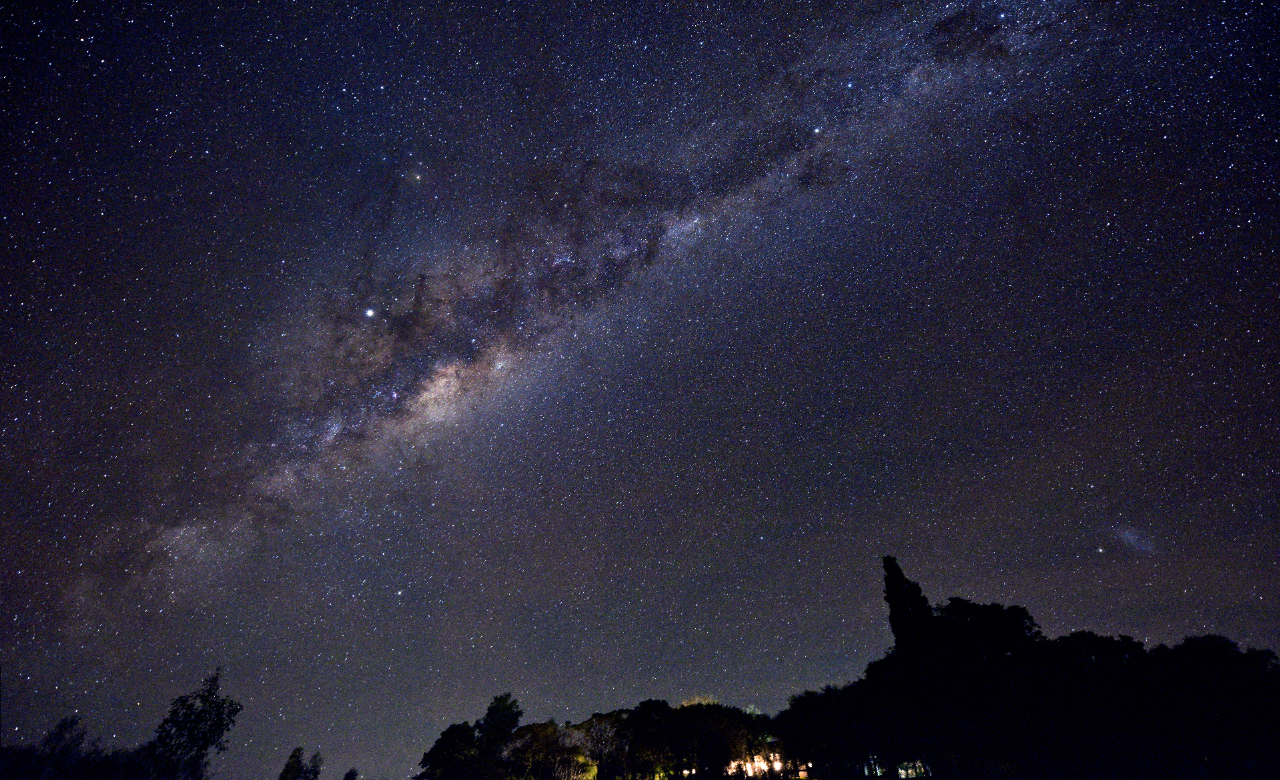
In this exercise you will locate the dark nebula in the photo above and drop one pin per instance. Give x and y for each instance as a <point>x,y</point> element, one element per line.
<point>390,359</point>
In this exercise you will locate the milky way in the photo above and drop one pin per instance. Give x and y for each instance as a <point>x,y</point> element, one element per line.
<point>400,350</point>
<point>391,360</point>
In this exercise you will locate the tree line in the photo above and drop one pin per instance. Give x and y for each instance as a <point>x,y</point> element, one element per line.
<point>196,726</point>
<point>977,691</point>
<point>967,691</point>
<point>653,740</point>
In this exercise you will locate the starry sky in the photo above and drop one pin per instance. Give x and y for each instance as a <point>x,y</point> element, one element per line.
<point>393,358</point>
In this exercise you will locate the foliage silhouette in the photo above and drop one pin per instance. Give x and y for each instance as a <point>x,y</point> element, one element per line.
<point>976,691</point>
<point>967,691</point>
<point>544,751</point>
<point>197,725</point>
<point>466,752</point>
<point>452,756</point>
<point>295,769</point>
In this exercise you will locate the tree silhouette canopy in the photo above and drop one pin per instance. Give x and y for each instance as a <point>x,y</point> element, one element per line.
<point>976,691</point>
<point>967,691</point>
<point>197,725</point>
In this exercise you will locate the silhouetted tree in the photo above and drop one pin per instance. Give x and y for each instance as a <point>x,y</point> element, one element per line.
<point>707,737</point>
<point>605,742</point>
<point>909,612</point>
<point>351,774</point>
<point>499,723</point>
<point>197,723</point>
<point>314,765</point>
<point>64,750</point>
<point>969,691</point>
<point>976,691</point>
<point>466,752</point>
<point>294,769</point>
<point>544,751</point>
<point>827,729</point>
<point>650,751</point>
<point>453,755</point>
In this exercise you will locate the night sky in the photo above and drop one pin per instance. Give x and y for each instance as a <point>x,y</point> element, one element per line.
<point>392,359</point>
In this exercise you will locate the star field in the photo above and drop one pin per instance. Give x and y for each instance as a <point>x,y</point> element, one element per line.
<point>391,359</point>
